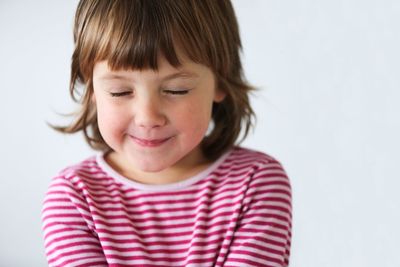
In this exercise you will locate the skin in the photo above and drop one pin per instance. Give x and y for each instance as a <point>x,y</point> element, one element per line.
<point>154,121</point>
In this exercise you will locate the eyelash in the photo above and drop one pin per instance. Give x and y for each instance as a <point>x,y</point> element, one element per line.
<point>170,92</point>
<point>120,94</point>
<point>178,92</point>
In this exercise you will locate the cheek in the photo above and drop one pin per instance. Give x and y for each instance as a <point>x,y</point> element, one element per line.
<point>111,123</point>
<point>195,118</point>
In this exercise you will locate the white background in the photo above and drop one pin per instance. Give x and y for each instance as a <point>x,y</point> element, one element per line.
<point>328,109</point>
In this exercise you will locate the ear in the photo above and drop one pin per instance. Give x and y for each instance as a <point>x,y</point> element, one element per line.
<point>219,96</point>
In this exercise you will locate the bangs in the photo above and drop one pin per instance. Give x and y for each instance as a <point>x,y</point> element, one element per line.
<point>132,34</point>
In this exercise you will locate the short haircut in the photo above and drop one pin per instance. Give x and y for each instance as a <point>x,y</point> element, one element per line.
<point>130,34</point>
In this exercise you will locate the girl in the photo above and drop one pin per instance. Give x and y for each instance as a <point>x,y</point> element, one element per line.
<point>164,100</point>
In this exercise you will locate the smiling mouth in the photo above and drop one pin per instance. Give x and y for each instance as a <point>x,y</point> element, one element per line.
<point>148,142</point>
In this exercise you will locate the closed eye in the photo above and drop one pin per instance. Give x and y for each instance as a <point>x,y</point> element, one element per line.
<point>176,92</point>
<point>120,94</point>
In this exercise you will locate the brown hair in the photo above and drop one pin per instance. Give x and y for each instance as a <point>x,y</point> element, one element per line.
<point>129,34</point>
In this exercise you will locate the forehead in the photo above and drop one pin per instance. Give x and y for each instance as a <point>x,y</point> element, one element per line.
<point>165,72</point>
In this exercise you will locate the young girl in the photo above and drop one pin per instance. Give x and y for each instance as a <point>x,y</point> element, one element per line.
<point>164,100</point>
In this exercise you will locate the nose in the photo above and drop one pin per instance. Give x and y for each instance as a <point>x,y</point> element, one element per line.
<point>148,113</point>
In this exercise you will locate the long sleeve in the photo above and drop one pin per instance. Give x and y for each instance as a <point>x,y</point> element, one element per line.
<point>263,235</point>
<point>67,227</point>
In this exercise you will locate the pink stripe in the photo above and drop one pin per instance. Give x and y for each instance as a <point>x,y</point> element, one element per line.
<point>242,238</point>
<point>170,258</point>
<point>246,261</point>
<point>73,252</point>
<point>111,249</point>
<point>66,262</point>
<point>84,240</point>
<point>257,255</point>
<point>189,234</point>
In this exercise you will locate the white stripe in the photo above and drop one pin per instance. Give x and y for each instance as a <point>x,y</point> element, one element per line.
<point>229,199</point>
<point>261,252</point>
<point>83,261</point>
<point>143,211</point>
<point>74,248</point>
<point>71,241</point>
<point>145,262</point>
<point>66,237</point>
<point>75,256</point>
<point>47,229</point>
<point>276,204</point>
<point>266,220</point>
<point>150,231</point>
<point>155,255</point>
<point>172,239</point>
<point>243,235</point>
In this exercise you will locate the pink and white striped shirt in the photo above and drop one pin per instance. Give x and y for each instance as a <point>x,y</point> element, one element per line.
<point>237,212</point>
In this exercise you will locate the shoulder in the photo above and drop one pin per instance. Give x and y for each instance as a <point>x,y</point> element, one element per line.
<point>82,175</point>
<point>266,179</point>
<point>87,166</point>
<point>252,158</point>
<point>258,166</point>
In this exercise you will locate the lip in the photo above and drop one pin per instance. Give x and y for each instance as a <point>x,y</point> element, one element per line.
<point>149,142</point>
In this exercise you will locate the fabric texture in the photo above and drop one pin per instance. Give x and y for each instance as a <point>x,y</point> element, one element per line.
<point>235,213</point>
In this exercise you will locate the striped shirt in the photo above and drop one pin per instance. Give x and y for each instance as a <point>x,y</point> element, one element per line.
<point>237,212</point>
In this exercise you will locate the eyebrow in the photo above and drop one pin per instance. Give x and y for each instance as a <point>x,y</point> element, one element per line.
<point>180,74</point>
<point>113,76</point>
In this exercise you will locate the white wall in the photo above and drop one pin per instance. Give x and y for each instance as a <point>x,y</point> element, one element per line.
<point>328,110</point>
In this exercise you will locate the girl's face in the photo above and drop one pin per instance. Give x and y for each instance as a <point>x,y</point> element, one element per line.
<point>154,121</point>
